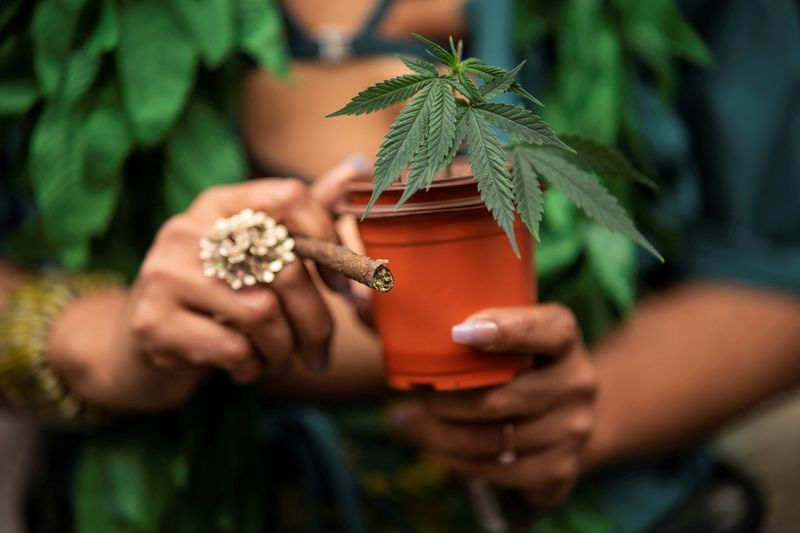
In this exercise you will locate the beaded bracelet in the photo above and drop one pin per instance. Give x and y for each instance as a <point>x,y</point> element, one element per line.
<point>27,381</point>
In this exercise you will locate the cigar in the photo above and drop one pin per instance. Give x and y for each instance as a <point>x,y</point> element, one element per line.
<point>370,272</point>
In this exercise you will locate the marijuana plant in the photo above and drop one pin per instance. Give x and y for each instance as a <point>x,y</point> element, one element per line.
<point>450,107</point>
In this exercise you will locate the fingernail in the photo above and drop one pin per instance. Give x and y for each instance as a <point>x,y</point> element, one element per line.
<point>357,162</point>
<point>399,417</point>
<point>475,332</point>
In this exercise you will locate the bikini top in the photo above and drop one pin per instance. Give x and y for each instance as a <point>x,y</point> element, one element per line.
<point>334,44</point>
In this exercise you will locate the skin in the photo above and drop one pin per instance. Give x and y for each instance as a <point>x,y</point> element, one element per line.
<point>645,390</point>
<point>687,361</point>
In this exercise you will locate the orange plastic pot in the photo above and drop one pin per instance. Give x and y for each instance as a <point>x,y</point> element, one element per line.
<point>450,259</point>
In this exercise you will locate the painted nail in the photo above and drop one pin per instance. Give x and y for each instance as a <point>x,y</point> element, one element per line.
<point>475,332</point>
<point>358,162</point>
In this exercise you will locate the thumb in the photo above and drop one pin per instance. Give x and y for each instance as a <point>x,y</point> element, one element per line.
<point>330,187</point>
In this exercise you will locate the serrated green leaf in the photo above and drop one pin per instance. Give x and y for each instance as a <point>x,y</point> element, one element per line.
<point>528,195</point>
<point>471,89</point>
<point>416,174</point>
<point>460,133</point>
<point>441,128</point>
<point>606,161</point>
<point>521,124</point>
<point>612,258</point>
<point>385,94</point>
<point>259,33</point>
<point>586,192</point>
<point>404,136</point>
<point>17,96</point>
<point>203,151</point>
<point>500,84</point>
<point>432,155</point>
<point>437,52</point>
<point>488,161</point>
<point>53,31</point>
<point>210,25</point>
<point>422,67</point>
<point>105,36</point>
<point>156,63</point>
<point>488,73</point>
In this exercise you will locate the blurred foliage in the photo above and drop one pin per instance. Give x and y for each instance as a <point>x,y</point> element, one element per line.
<point>96,91</point>
<point>596,54</point>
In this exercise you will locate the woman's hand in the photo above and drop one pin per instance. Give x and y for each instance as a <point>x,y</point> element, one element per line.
<point>175,324</point>
<point>549,409</point>
<point>177,315</point>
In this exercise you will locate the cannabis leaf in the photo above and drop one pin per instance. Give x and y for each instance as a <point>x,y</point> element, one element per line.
<point>520,124</point>
<point>487,72</point>
<point>585,192</point>
<point>385,94</point>
<point>488,161</point>
<point>528,196</point>
<point>605,160</point>
<point>420,66</point>
<point>404,136</point>
<point>432,154</point>
<point>449,106</point>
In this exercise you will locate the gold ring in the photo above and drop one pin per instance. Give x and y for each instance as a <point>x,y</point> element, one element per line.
<point>247,248</point>
<point>508,455</point>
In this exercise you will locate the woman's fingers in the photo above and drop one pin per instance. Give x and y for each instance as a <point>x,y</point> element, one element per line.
<point>547,329</point>
<point>532,393</point>
<point>485,440</point>
<point>177,333</point>
<point>331,186</point>
<point>553,471</point>
<point>306,311</point>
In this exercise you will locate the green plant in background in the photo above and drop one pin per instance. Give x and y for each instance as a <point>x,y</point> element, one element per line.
<point>103,100</point>
<point>428,132</point>
<point>603,53</point>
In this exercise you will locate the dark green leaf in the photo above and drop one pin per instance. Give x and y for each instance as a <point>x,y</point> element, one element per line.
<point>586,192</point>
<point>203,151</point>
<point>432,154</point>
<point>606,161</point>
<point>521,124</point>
<point>488,161</point>
<point>79,74</point>
<point>105,36</point>
<point>156,64</point>
<point>590,94</point>
<point>17,96</point>
<point>424,68</point>
<point>500,84</point>
<point>106,141</point>
<point>384,94</point>
<point>53,31</point>
<point>488,73</point>
<point>259,33</point>
<point>528,195</point>
<point>437,51</point>
<point>210,25</point>
<point>404,136</point>
<point>72,207</point>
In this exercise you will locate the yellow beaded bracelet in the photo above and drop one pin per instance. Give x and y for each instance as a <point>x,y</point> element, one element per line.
<point>27,381</point>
